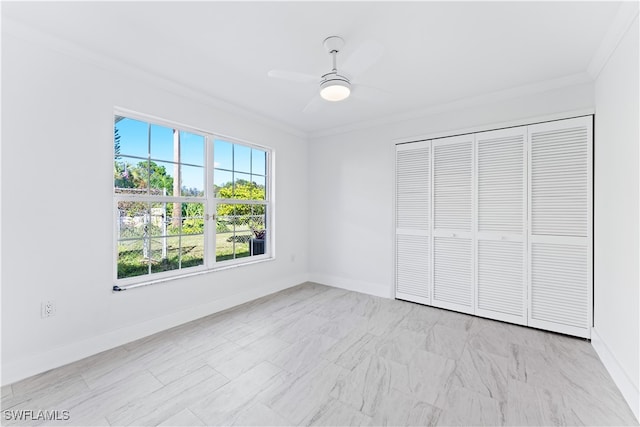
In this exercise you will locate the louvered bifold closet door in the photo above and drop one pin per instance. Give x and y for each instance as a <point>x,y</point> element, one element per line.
<point>453,226</point>
<point>413,222</point>
<point>501,291</point>
<point>560,235</point>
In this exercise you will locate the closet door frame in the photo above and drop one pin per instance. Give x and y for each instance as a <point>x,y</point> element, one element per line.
<point>586,242</point>
<point>501,236</point>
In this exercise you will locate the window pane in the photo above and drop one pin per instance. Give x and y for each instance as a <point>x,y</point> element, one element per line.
<point>192,181</point>
<point>192,218</point>
<point>129,175</point>
<point>132,217</point>
<point>225,231</point>
<point>161,177</point>
<point>162,143</point>
<point>191,148</point>
<point>224,219</point>
<point>258,226</point>
<point>242,187</point>
<point>131,260</point>
<point>242,244</point>
<point>243,231</point>
<point>258,188</point>
<point>224,246</point>
<point>165,254</point>
<point>223,184</point>
<point>258,162</point>
<point>131,138</point>
<point>192,251</point>
<point>241,158</point>
<point>174,218</point>
<point>258,217</point>
<point>240,231</point>
<point>225,212</point>
<point>223,155</point>
<point>157,220</point>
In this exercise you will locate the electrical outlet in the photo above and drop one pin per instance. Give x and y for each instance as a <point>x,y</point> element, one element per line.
<point>47,309</point>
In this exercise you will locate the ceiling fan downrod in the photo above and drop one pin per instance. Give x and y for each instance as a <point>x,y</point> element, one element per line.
<point>334,87</point>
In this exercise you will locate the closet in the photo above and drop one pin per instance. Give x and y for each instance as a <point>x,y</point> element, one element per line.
<point>499,224</point>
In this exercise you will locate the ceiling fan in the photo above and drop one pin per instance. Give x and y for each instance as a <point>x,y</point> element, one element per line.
<point>336,85</point>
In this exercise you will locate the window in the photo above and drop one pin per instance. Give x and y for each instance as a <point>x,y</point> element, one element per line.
<point>185,201</point>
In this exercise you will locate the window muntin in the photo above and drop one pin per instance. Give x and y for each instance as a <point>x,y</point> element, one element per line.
<point>169,221</point>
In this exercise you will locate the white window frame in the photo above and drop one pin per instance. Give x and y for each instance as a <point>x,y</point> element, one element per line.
<point>210,208</point>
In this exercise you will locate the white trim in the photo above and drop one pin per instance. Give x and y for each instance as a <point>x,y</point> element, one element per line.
<point>413,146</point>
<point>370,288</point>
<point>413,298</point>
<point>625,384</point>
<point>73,50</point>
<point>576,331</point>
<point>497,126</point>
<point>71,352</point>
<point>30,34</point>
<point>627,13</point>
<point>502,95</point>
<point>200,270</point>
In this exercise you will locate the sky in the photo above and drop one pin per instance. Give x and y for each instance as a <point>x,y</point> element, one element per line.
<point>246,163</point>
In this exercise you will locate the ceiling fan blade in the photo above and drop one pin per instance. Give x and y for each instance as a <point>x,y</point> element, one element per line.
<point>364,57</point>
<point>315,104</point>
<point>370,93</point>
<point>293,76</point>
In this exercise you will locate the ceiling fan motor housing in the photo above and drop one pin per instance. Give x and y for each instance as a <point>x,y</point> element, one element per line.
<point>334,87</point>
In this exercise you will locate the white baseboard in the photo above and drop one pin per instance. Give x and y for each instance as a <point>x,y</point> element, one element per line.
<point>60,356</point>
<point>628,389</point>
<point>376,289</point>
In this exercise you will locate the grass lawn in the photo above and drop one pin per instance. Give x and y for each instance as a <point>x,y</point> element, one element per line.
<point>131,261</point>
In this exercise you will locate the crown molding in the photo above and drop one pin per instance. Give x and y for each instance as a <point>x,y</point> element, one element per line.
<point>30,34</point>
<point>487,98</point>
<point>627,13</point>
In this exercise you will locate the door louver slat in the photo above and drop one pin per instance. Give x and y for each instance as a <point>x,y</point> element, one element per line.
<point>413,274</point>
<point>413,189</point>
<point>559,182</point>
<point>413,222</point>
<point>560,277</point>
<point>453,271</point>
<point>559,281</point>
<point>500,183</point>
<point>501,198</point>
<point>453,186</point>
<point>500,277</point>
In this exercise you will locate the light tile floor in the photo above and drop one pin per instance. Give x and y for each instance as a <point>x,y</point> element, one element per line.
<point>316,355</point>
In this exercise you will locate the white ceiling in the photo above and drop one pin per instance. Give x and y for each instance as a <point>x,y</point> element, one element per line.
<point>434,52</point>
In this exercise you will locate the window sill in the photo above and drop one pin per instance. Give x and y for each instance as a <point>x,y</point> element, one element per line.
<point>119,288</point>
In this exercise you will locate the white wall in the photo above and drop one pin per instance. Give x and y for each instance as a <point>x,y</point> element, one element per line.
<point>351,178</point>
<point>616,215</point>
<point>57,242</point>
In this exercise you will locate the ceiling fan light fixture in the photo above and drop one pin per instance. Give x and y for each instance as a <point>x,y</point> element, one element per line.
<point>335,88</point>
